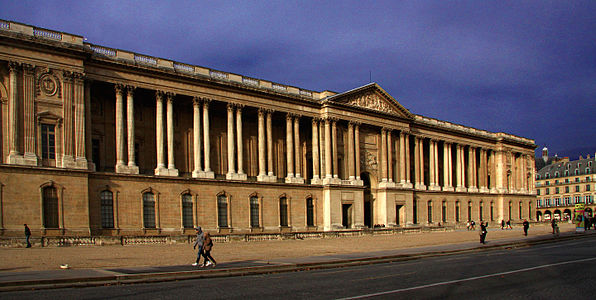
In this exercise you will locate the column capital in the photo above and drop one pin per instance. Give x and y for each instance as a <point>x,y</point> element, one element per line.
<point>67,76</point>
<point>130,90</point>
<point>270,111</point>
<point>159,94</point>
<point>230,106</point>
<point>239,107</point>
<point>196,101</point>
<point>29,69</point>
<point>118,88</point>
<point>79,77</point>
<point>354,123</point>
<point>170,96</point>
<point>14,66</point>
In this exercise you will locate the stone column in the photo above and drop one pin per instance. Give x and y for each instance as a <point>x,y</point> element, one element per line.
<point>67,94</point>
<point>270,146</point>
<point>160,169</point>
<point>30,156</point>
<point>447,167</point>
<point>88,140</point>
<point>422,186</point>
<point>334,145</point>
<point>231,151</point>
<point>383,161</point>
<point>417,161</point>
<point>402,158</point>
<point>350,157</point>
<point>315,153</point>
<point>196,137</point>
<point>328,170</point>
<point>357,152</point>
<point>80,122</point>
<point>431,165</point>
<point>120,166</point>
<point>130,123</point>
<point>241,174</point>
<point>207,140</point>
<point>473,170</point>
<point>408,183</point>
<point>262,153</point>
<point>289,149</point>
<point>389,157</point>
<point>297,155</point>
<point>172,171</point>
<point>13,115</point>
<point>322,140</point>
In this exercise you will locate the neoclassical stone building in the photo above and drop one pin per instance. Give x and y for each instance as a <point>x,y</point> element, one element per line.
<point>104,141</point>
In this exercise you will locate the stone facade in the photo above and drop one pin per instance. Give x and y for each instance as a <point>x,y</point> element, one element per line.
<point>101,141</point>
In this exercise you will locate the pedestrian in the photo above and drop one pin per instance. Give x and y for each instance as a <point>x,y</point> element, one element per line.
<point>207,258</point>
<point>553,224</point>
<point>473,225</point>
<point>509,224</point>
<point>526,227</point>
<point>502,224</point>
<point>482,233</point>
<point>199,243</point>
<point>468,225</point>
<point>28,235</point>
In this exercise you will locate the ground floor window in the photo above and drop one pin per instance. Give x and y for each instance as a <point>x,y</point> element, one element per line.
<point>148,210</point>
<point>283,211</point>
<point>187,211</point>
<point>254,211</point>
<point>107,209</point>
<point>222,211</point>
<point>50,207</point>
<point>310,212</point>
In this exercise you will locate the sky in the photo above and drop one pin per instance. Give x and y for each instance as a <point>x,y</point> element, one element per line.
<point>526,68</point>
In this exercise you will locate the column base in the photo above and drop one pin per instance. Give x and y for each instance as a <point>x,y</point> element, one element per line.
<point>493,191</point>
<point>124,169</point>
<point>14,158</point>
<point>91,166</point>
<point>434,187</point>
<point>407,185</point>
<point>162,171</point>
<point>483,189</point>
<point>316,181</point>
<point>461,189</point>
<point>68,162</point>
<point>386,184</point>
<point>266,178</point>
<point>236,176</point>
<point>81,163</point>
<point>448,189</point>
<point>294,179</point>
<point>473,189</point>
<point>208,174</point>
<point>30,159</point>
<point>420,186</point>
<point>331,180</point>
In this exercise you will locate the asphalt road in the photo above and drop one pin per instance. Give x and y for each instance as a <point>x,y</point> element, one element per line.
<point>545,271</point>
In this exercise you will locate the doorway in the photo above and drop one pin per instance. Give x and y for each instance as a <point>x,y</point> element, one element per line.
<point>346,215</point>
<point>397,212</point>
<point>367,200</point>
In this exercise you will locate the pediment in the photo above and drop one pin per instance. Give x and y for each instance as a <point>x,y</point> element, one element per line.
<point>372,97</point>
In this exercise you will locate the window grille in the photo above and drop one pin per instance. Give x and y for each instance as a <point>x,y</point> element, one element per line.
<point>148,210</point>
<point>187,211</point>
<point>107,209</point>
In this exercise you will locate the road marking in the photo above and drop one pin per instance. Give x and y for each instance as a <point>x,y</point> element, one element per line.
<point>467,279</point>
<point>386,276</point>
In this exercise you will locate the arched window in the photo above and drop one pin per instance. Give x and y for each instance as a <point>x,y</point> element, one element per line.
<point>576,172</point>
<point>537,176</point>
<point>469,210</point>
<point>50,207</point>
<point>566,172</point>
<point>283,211</point>
<point>310,212</point>
<point>187,211</point>
<point>444,211</point>
<point>557,174</point>
<point>148,210</point>
<point>430,211</point>
<point>222,210</point>
<point>457,211</point>
<point>254,212</point>
<point>107,209</point>
<point>480,208</point>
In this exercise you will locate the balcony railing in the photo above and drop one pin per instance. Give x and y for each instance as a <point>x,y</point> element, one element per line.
<point>48,34</point>
<point>4,25</point>
<point>103,50</point>
<point>145,59</point>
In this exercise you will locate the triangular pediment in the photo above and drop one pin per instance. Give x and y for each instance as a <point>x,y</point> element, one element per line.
<point>372,97</point>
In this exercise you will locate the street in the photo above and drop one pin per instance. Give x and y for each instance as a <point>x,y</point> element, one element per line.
<point>544,271</point>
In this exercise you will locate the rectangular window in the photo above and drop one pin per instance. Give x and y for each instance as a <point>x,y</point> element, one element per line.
<point>187,210</point>
<point>310,212</point>
<point>222,211</point>
<point>283,211</point>
<point>107,209</point>
<point>556,190</point>
<point>577,188</point>
<point>538,192</point>
<point>148,210</point>
<point>587,187</point>
<point>254,212</point>
<point>547,190</point>
<point>566,189</point>
<point>48,141</point>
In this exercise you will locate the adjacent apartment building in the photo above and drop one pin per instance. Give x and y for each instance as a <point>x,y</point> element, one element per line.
<point>563,184</point>
<point>103,141</point>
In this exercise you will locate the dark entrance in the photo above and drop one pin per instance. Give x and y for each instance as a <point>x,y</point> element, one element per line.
<point>397,211</point>
<point>346,215</point>
<point>367,200</point>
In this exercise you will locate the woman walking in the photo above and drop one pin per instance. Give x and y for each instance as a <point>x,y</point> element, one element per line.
<point>207,258</point>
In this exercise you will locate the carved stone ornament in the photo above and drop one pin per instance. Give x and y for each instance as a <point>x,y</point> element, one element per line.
<point>369,160</point>
<point>48,85</point>
<point>372,101</point>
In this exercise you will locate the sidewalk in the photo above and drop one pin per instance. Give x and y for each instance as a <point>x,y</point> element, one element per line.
<point>242,258</point>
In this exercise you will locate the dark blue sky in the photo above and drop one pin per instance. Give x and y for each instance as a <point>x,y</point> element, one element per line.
<point>523,67</point>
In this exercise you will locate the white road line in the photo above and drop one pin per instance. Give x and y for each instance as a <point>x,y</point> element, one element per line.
<point>467,279</point>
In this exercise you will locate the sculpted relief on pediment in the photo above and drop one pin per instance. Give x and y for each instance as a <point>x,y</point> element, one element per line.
<point>372,101</point>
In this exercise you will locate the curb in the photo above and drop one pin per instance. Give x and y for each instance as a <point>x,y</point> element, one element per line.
<point>244,271</point>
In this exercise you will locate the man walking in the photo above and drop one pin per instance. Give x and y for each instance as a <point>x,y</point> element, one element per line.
<point>482,233</point>
<point>526,226</point>
<point>553,224</point>
<point>28,235</point>
<point>502,224</point>
<point>199,243</point>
